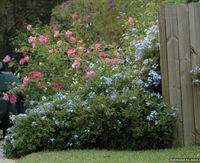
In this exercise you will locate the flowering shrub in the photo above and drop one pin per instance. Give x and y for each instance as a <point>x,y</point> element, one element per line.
<point>196,75</point>
<point>111,112</point>
<point>107,95</point>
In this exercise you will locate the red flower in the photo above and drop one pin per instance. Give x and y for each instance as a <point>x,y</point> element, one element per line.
<point>59,85</point>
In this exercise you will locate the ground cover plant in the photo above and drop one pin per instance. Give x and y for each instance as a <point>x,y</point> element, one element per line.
<point>87,91</point>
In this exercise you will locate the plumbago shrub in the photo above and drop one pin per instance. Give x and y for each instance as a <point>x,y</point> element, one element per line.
<point>110,110</point>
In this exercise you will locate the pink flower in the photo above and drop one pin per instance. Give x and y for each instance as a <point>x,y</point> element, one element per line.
<point>33,45</point>
<point>56,34</point>
<point>59,85</point>
<point>97,46</point>
<point>81,48</point>
<point>71,52</point>
<point>68,34</point>
<point>43,39</point>
<point>26,80</point>
<point>59,43</point>
<point>52,85</point>
<point>102,54</point>
<point>88,75</point>
<point>7,58</point>
<point>114,60</point>
<point>31,40</point>
<point>36,74</point>
<point>13,99</point>
<point>72,39</point>
<point>77,63</point>
<point>131,21</point>
<point>5,96</point>
<point>86,68</point>
<point>24,50</point>
<point>88,52</point>
<point>74,16</point>
<point>28,27</point>
<point>22,61</point>
<point>26,59</point>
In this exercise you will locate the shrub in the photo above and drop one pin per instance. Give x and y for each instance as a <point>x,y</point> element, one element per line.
<point>112,112</point>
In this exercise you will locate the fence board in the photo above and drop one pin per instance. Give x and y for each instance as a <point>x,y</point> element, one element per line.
<point>163,52</point>
<point>173,66</point>
<point>194,14</point>
<point>185,77</point>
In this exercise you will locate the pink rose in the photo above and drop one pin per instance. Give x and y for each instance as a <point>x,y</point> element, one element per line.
<point>26,80</point>
<point>52,85</point>
<point>7,58</point>
<point>68,34</point>
<point>131,21</point>
<point>81,48</point>
<point>102,54</point>
<point>114,60</point>
<point>43,39</point>
<point>5,96</point>
<point>97,46</point>
<point>74,16</point>
<point>22,61</point>
<point>72,39</point>
<point>88,52</point>
<point>71,52</point>
<point>13,99</point>
<point>31,40</point>
<point>24,50</point>
<point>26,59</point>
<point>56,34</point>
<point>77,63</point>
<point>88,75</point>
<point>28,27</point>
<point>36,74</point>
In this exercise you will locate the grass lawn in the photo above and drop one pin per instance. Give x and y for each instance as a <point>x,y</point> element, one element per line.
<point>104,156</point>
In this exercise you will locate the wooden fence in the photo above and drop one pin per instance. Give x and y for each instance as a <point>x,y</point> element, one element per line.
<point>180,53</point>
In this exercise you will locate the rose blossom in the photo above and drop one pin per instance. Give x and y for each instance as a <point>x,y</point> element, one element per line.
<point>74,16</point>
<point>31,40</point>
<point>24,50</point>
<point>102,54</point>
<point>131,21</point>
<point>68,34</point>
<point>36,74</point>
<point>52,85</point>
<point>5,96</point>
<point>72,39</point>
<point>43,39</point>
<point>77,63</point>
<point>71,52</point>
<point>56,34</point>
<point>97,46</point>
<point>7,58</point>
<point>26,59</point>
<point>88,52</point>
<point>25,80</point>
<point>22,61</point>
<point>13,99</point>
<point>59,85</point>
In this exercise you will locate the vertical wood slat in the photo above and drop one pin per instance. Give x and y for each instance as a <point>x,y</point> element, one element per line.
<point>194,15</point>
<point>185,77</point>
<point>174,66</point>
<point>163,52</point>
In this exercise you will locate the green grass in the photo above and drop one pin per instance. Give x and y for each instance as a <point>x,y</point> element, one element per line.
<point>104,156</point>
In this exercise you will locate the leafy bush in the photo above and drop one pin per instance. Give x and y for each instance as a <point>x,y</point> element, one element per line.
<point>109,113</point>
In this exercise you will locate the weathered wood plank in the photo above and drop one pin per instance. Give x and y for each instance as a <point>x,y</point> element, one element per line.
<point>174,66</point>
<point>163,54</point>
<point>194,15</point>
<point>185,77</point>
